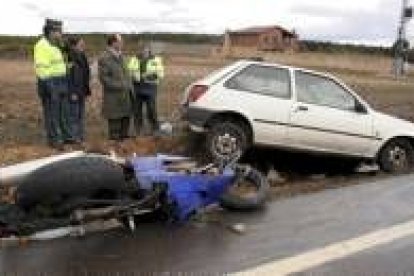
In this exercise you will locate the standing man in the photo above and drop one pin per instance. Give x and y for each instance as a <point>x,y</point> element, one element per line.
<point>145,90</point>
<point>51,73</point>
<point>117,88</point>
<point>79,89</point>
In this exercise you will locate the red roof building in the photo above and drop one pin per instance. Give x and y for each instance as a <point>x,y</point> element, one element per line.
<point>265,38</point>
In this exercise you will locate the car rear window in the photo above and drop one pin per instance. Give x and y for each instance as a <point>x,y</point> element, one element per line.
<point>262,79</point>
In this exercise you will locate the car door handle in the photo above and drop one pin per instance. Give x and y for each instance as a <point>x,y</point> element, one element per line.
<point>301,108</point>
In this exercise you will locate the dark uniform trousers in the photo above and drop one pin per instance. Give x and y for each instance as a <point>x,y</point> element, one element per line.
<point>54,97</point>
<point>145,97</point>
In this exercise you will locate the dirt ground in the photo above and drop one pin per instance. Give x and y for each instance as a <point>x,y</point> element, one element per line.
<point>21,126</point>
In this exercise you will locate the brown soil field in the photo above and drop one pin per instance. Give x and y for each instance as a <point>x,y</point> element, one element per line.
<point>21,127</point>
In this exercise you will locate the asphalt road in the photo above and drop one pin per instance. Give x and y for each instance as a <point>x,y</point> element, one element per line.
<point>287,228</point>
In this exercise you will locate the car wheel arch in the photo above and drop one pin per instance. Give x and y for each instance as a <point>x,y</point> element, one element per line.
<point>393,138</point>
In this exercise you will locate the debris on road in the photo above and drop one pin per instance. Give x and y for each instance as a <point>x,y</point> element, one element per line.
<point>275,178</point>
<point>77,194</point>
<point>368,169</point>
<point>238,228</point>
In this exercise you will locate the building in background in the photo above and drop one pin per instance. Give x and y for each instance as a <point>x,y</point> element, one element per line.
<point>265,38</point>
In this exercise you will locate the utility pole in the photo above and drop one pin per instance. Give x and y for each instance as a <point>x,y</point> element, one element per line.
<point>401,45</point>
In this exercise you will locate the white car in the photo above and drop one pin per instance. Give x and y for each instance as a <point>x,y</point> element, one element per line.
<point>255,103</point>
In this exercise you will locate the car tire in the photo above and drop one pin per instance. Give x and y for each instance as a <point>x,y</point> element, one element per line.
<point>396,156</point>
<point>62,182</point>
<point>227,141</point>
<point>254,201</point>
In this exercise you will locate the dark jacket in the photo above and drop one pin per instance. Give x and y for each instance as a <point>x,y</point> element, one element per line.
<point>79,74</point>
<point>117,86</point>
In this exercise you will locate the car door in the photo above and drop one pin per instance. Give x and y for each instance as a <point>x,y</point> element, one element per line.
<point>262,93</point>
<point>327,117</point>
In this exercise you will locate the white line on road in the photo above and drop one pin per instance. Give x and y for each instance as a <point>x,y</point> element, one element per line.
<point>320,256</point>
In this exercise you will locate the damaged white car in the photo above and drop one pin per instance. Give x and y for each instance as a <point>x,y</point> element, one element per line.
<point>254,103</point>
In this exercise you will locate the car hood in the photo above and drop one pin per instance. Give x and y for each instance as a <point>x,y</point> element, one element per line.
<point>386,125</point>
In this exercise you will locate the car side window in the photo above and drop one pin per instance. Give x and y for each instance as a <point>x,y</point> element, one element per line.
<point>260,79</point>
<point>318,90</point>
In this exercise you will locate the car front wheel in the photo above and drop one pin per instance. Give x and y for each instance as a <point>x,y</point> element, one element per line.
<point>396,156</point>
<point>227,141</point>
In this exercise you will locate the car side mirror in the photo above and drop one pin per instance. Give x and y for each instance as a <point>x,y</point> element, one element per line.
<point>360,108</point>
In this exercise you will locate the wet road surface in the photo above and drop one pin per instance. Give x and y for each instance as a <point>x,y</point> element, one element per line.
<point>392,259</point>
<point>288,227</point>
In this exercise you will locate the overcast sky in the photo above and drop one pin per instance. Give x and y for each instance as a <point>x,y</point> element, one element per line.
<point>359,21</point>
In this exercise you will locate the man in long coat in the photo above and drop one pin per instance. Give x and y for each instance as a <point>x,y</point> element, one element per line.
<point>117,86</point>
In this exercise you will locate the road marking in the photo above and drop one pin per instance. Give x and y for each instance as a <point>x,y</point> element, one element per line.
<point>340,250</point>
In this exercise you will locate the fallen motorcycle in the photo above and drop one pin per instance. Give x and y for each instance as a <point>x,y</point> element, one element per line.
<point>92,187</point>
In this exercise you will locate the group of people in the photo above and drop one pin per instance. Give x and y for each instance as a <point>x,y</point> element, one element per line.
<point>63,82</point>
<point>129,85</point>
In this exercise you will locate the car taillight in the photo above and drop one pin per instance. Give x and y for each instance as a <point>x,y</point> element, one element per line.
<point>196,92</point>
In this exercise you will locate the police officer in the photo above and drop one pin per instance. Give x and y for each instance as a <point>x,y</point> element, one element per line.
<point>51,73</point>
<point>134,68</point>
<point>147,72</point>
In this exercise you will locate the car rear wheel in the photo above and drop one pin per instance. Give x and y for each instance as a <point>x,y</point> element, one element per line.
<point>227,141</point>
<point>396,156</point>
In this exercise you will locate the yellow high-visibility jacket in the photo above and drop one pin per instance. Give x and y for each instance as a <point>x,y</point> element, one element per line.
<point>154,67</point>
<point>49,60</point>
<point>134,68</point>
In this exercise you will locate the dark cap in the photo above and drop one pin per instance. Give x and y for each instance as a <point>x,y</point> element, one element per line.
<point>53,24</point>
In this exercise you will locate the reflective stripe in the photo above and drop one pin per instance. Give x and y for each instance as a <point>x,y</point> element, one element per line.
<point>49,60</point>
